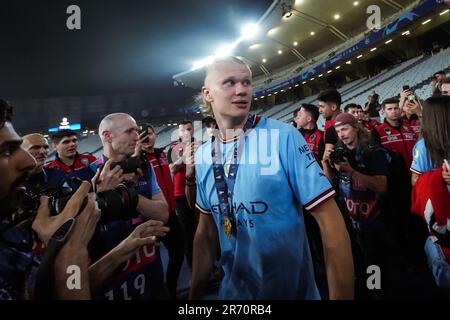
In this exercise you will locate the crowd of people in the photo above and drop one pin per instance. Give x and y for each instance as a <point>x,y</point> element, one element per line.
<point>272,210</point>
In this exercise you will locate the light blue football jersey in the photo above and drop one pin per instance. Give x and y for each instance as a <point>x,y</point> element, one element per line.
<point>421,158</point>
<point>270,257</point>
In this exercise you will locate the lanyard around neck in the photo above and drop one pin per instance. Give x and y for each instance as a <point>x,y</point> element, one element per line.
<point>225,188</point>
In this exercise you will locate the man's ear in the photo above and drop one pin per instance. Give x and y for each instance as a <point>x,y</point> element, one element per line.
<point>106,135</point>
<point>207,94</point>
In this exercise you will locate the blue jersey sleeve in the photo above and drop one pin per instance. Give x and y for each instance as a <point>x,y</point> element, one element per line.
<point>202,203</point>
<point>154,185</point>
<point>421,159</point>
<point>306,178</point>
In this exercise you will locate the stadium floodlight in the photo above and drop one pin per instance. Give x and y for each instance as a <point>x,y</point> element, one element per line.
<point>202,63</point>
<point>389,41</point>
<point>373,49</point>
<point>280,51</point>
<point>426,21</point>
<point>225,50</point>
<point>249,31</point>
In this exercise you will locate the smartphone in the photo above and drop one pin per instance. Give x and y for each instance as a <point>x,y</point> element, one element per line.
<point>144,128</point>
<point>405,87</point>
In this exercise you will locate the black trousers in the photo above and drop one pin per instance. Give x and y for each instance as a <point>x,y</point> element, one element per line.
<point>189,225</point>
<point>174,243</point>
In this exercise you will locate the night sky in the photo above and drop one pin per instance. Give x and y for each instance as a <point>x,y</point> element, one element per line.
<point>123,46</point>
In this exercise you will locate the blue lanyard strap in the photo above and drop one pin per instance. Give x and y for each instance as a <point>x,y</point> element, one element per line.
<point>225,188</point>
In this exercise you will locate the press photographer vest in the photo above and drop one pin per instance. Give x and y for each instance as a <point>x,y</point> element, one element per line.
<point>141,277</point>
<point>401,139</point>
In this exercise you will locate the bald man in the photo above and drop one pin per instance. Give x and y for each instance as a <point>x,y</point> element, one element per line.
<point>37,145</point>
<point>143,275</point>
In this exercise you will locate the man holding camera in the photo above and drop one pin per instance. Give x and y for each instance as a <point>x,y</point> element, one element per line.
<point>142,276</point>
<point>17,264</point>
<point>361,174</point>
<point>393,134</point>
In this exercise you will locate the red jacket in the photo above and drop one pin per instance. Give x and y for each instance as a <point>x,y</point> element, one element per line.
<point>401,139</point>
<point>328,124</point>
<point>160,164</point>
<point>314,139</point>
<point>431,201</point>
<point>371,124</point>
<point>413,122</point>
<point>81,161</point>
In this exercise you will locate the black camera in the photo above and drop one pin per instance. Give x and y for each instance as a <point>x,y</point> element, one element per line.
<point>117,204</point>
<point>340,151</point>
<point>131,164</point>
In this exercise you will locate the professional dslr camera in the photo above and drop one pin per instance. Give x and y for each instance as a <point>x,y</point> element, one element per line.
<point>131,164</point>
<point>340,151</point>
<point>117,204</point>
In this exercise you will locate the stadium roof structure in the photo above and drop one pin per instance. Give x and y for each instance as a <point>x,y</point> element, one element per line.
<point>294,31</point>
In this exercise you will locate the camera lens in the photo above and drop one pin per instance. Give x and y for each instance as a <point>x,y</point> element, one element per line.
<point>118,204</point>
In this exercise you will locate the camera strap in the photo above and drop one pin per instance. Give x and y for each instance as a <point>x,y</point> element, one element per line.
<point>225,187</point>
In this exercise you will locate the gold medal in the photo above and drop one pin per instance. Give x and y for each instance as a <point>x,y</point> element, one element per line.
<point>227,227</point>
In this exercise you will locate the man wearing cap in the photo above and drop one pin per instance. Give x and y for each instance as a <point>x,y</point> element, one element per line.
<point>306,120</point>
<point>361,174</point>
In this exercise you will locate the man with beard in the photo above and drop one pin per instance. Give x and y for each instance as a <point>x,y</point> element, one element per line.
<point>66,235</point>
<point>17,265</point>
